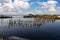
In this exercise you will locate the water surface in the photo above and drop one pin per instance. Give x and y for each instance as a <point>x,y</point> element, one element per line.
<point>30,28</point>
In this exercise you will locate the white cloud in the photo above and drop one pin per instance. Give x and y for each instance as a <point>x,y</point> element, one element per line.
<point>24,0</point>
<point>14,8</point>
<point>44,4</point>
<point>52,5</point>
<point>8,5</point>
<point>17,3</point>
<point>52,9</point>
<point>1,9</point>
<point>6,1</point>
<point>49,5</point>
<point>21,4</point>
<point>52,2</point>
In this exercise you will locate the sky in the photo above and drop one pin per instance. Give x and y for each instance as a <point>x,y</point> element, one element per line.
<point>23,7</point>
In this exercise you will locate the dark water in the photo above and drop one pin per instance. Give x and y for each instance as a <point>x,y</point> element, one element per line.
<point>29,28</point>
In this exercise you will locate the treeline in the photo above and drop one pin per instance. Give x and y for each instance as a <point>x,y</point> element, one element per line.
<point>41,16</point>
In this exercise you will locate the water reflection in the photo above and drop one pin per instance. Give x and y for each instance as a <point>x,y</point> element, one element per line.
<point>24,23</point>
<point>36,23</point>
<point>19,22</point>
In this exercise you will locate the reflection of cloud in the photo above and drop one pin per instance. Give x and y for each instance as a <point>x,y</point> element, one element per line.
<point>16,38</point>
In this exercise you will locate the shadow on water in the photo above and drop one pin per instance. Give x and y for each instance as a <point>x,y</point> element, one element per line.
<point>34,23</point>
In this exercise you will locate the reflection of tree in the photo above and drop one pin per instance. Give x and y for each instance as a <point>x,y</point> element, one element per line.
<point>38,22</point>
<point>10,23</point>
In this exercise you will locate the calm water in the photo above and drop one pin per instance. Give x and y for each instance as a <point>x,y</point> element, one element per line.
<point>30,28</point>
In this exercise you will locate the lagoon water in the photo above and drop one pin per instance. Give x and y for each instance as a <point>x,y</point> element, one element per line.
<point>30,28</point>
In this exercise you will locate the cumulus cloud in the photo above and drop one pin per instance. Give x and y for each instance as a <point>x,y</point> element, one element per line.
<point>52,9</point>
<point>44,5</point>
<point>17,3</point>
<point>15,7</point>
<point>25,0</point>
<point>49,5</point>
<point>8,6</point>
<point>6,1</point>
<point>21,4</point>
<point>1,9</point>
<point>52,5</point>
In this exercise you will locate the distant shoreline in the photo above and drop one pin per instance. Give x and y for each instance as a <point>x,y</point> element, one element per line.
<point>42,16</point>
<point>2,16</point>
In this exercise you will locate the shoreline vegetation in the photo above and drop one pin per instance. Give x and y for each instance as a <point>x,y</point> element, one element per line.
<point>46,16</point>
<point>3,16</point>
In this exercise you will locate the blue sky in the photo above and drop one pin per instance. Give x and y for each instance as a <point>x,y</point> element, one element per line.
<point>58,2</point>
<point>15,7</point>
<point>35,5</point>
